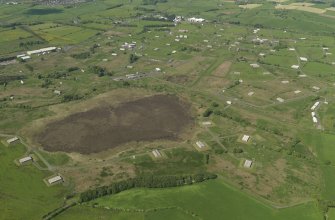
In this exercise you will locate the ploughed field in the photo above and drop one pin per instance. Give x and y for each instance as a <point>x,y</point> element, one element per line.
<point>105,127</point>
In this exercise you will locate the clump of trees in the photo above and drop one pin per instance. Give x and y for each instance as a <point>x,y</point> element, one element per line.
<point>83,55</point>
<point>145,181</point>
<point>133,58</point>
<point>153,2</point>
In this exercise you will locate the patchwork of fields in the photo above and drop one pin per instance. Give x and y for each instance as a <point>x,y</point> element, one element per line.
<point>166,89</point>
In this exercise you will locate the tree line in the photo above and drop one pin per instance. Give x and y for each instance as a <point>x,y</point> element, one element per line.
<point>145,181</point>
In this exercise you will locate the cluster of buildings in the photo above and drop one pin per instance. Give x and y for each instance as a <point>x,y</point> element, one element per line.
<point>28,159</point>
<point>42,51</point>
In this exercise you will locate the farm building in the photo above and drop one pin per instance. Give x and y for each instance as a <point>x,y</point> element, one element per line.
<point>297,91</point>
<point>55,179</point>
<point>195,20</point>
<point>43,50</point>
<point>206,123</point>
<point>316,104</point>
<point>25,58</point>
<point>291,49</point>
<point>158,69</point>
<point>254,65</point>
<point>229,102</point>
<point>295,66</point>
<point>200,144</point>
<point>316,88</point>
<point>315,120</point>
<point>245,138</point>
<point>250,93</point>
<point>156,153</point>
<point>25,160</point>
<point>12,140</point>
<point>313,114</point>
<point>57,92</point>
<point>247,163</point>
<point>303,59</point>
<point>280,99</point>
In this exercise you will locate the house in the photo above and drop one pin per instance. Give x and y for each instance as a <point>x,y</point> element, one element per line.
<point>291,49</point>
<point>295,66</point>
<point>206,123</point>
<point>303,59</point>
<point>247,163</point>
<point>55,179</point>
<point>250,93</point>
<point>200,144</point>
<point>12,140</point>
<point>229,102</point>
<point>25,58</point>
<point>158,69</point>
<point>156,153</point>
<point>25,159</point>
<point>245,138</point>
<point>313,114</point>
<point>297,91</point>
<point>316,88</point>
<point>285,81</point>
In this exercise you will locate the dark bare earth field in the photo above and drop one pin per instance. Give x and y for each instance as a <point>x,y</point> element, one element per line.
<point>105,127</point>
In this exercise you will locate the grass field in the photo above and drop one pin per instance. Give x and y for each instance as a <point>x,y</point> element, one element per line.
<point>210,200</point>
<point>23,192</point>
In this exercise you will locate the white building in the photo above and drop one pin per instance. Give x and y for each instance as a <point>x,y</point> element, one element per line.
<point>316,104</point>
<point>303,59</point>
<point>55,179</point>
<point>254,65</point>
<point>195,20</point>
<point>200,144</point>
<point>156,153</point>
<point>280,99</point>
<point>295,66</point>
<point>12,140</point>
<point>25,160</point>
<point>57,92</point>
<point>43,50</point>
<point>247,163</point>
<point>315,120</point>
<point>245,138</point>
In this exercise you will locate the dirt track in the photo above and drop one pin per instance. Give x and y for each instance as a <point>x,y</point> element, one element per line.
<point>105,127</point>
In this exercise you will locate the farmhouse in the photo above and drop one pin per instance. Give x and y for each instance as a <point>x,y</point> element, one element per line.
<point>247,163</point>
<point>25,160</point>
<point>158,69</point>
<point>55,179</point>
<point>200,144</point>
<point>41,51</point>
<point>295,66</point>
<point>262,54</point>
<point>285,81</point>
<point>297,91</point>
<point>291,49</point>
<point>303,59</point>
<point>12,140</point>
<point>245,138</point>
<point>316,88</point>
<point>156,153</point>
<point>229,102</point>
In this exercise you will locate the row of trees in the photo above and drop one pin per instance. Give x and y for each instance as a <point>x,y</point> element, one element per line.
<point>145,181</point>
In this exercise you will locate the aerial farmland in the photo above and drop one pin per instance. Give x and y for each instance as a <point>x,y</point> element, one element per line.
<point>166,109</point>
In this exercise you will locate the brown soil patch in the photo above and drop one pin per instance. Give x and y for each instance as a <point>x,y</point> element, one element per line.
<point>106,127</point>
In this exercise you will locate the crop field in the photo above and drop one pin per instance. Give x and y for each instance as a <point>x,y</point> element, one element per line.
<point>128,79</point>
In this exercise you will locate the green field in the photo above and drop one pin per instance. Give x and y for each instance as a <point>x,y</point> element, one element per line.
<point>211,200</point>
<point>23,191</point>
